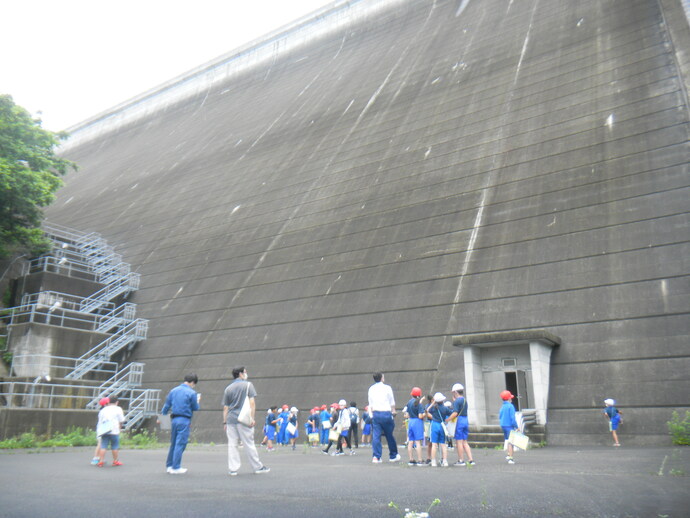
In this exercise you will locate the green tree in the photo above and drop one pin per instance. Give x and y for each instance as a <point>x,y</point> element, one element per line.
<point>30,174</point>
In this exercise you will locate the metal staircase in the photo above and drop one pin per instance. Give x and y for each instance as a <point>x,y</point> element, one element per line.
<point>88,256</point>
<point>126,336</point>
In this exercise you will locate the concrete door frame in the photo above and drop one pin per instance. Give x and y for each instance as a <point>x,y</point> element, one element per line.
<point>541,344</point>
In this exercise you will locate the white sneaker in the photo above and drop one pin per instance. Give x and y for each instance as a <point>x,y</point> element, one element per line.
<point>397,458</point>
<point>178,471</point>
<point>376,461</point>
<point>433,463</point>
<point>168,469</point>
<point>444,463</point>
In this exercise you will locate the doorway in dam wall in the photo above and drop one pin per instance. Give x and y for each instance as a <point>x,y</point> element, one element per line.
<point>519,361</point>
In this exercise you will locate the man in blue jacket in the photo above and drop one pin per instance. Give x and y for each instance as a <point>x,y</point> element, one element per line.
<point>182,401</point>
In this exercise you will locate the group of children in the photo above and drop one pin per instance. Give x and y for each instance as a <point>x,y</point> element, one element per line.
<point>433,423</point>
<point>338,425</point>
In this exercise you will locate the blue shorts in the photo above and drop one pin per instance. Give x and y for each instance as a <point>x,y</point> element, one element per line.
<point>415,429</point>
<point>615,421</point>
<point>110,439</point>
<point>506,432</point>
<point>438,436</point>
<point>271,433</point>
<point>345,433</point>
<point>366,430</point>
<point>462,429</point>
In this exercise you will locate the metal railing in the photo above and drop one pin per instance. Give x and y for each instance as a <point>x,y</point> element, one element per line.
<point>120,286</point>
<point>92,252</point>
<point>136,403</point>
<point>525,418</point>
<point>60,264</point>
<point>55,366</point>
<point>64,310</point>
<point>128,378</point>
<point>129,334</point>
<point>143,404</point>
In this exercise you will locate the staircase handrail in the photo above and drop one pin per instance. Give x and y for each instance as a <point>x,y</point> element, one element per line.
<point>132,332</point>
<point>141,406</point>
<point>110,291</point>
<point>70,234</point>
<point>125,379</point>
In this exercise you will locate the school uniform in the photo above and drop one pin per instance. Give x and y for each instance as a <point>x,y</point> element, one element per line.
<point>415,425</point>
<point>462,427</point>
<point>270,427</point>
<point>438,416</point>
<point>614,415</point>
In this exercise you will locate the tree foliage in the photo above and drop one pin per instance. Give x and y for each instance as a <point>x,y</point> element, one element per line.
<point>30,174</point>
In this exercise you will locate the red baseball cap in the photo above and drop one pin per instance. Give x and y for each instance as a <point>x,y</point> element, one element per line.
<point>506,395</point>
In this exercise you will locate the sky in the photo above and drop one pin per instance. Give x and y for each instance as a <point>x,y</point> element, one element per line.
<point>72,59</point>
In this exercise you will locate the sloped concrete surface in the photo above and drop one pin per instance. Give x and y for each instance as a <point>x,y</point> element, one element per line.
<point>437,169</point>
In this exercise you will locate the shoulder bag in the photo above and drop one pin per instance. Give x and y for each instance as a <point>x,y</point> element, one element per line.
<point>245,416</point>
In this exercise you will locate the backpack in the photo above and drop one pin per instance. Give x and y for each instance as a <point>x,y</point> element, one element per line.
<point>354,418</point>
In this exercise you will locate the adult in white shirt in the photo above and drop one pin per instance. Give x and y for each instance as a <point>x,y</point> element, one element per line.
<point>382,408</point>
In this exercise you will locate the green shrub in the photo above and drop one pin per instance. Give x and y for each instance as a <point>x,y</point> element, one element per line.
<point>139,440</point>
<point>680,430</point>
<point>77,437</point>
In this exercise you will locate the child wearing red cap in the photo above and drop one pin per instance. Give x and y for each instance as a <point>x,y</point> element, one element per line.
<point>506,417</point>
<point>97,454</point>
<point>415,427</point>
<point>312,425</point>
<point>110,419</point>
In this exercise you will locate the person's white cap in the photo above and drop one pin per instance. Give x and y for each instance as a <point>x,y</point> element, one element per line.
<point>294,409</point>
<point>609,402</point>
<point>438,397</point>
<point>342,402</point>
<point>457,387</point>
<point>448,403</point>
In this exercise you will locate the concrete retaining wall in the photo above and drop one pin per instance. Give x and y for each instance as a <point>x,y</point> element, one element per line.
<point>16,421</point>
<point>438,169</point>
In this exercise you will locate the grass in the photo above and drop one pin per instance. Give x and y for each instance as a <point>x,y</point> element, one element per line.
<point>75,437</point>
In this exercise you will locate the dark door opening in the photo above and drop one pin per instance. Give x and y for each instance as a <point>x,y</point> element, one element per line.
<point>512,386</point>
<point>516,382</point>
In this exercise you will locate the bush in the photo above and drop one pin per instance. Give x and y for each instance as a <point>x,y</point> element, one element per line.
<point>680,430</point>
<point>140,440</point>
<point>77,437</point>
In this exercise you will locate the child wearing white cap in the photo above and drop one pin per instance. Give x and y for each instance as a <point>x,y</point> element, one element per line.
<point>437,412</point>
<point>614,416</point>
<point>462,426</point>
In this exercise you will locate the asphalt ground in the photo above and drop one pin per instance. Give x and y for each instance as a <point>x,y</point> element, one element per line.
<point>551,481</point>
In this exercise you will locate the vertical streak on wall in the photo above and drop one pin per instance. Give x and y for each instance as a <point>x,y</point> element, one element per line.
<point>486,191</point>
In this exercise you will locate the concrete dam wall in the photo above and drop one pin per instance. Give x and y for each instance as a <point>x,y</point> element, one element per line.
<point>493,192</point>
